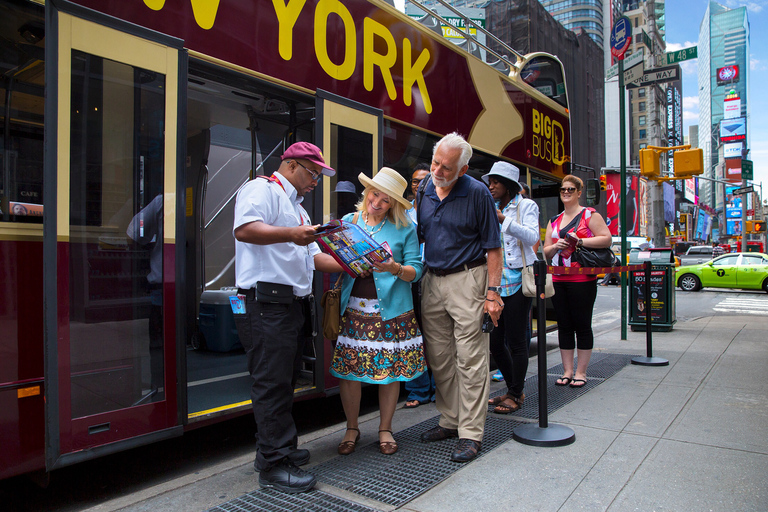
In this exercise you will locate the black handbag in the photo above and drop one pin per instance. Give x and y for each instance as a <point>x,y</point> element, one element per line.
<point>595,257</point>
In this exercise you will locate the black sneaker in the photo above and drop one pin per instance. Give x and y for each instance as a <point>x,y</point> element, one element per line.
<point>285,476</point>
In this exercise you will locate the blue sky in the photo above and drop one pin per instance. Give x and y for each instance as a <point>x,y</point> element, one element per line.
<point>683,18</point>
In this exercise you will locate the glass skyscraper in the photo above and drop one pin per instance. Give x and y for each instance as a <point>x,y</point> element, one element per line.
<point>723,73</point>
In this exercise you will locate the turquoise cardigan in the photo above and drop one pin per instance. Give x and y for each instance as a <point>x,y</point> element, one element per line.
<point>393,293</point>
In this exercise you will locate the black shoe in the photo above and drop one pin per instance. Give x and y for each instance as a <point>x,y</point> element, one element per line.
<point>299,456</point>
<point>285,476</point>
<point>466,450</point>
<point>438,434</point>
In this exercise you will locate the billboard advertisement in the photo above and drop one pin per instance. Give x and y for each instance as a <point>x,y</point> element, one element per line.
<point>728,75</point>
<point>731,108</point>
<point>732,150</point>
<point>733,169</point>
<point>612,192</point>
<point>732,130</point>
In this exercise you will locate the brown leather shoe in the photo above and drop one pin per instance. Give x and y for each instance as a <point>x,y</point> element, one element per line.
<point>387,447</point>
<point>438,434</point>
<point>347,447</point>
<point>466,450</point>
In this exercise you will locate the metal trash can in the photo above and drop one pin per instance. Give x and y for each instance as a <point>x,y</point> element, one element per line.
<point>662,300</point>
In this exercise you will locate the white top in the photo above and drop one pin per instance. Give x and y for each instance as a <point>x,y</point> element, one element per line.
<point>527,231</point>
<point>283,263</point>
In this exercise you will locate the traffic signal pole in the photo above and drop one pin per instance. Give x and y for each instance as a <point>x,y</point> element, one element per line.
<point>623,199</point>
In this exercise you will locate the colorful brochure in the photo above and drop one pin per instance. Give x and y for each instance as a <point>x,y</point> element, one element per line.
<point>351,246</point>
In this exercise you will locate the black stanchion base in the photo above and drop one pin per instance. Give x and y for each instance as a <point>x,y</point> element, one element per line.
<point>650,361</point>
<point>553,435</point>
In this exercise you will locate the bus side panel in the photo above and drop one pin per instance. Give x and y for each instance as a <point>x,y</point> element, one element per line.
<point>22,420</point>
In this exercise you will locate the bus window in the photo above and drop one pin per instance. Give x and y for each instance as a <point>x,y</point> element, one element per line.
<point>545,74</point>
<point>21,125</point>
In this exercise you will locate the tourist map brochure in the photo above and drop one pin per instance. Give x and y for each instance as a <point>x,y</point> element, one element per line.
<point>351,246</point>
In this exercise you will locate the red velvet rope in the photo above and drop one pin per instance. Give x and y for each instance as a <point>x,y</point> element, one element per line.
<point>577,271</point>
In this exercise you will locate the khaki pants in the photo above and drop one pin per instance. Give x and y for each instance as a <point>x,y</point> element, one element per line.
<point>456,347</point>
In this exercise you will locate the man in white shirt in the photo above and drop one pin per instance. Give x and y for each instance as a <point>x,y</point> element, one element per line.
<point>275,256</point>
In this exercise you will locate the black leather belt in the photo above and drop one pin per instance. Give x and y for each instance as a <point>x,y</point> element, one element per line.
<point>250,293</point>
<point>461,268</point>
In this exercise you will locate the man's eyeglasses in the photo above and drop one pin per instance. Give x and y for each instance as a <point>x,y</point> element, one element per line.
<point>567,190</point>
<point>315,175</point>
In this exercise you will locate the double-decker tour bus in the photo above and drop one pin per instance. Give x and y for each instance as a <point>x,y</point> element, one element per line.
<point>127,127</point>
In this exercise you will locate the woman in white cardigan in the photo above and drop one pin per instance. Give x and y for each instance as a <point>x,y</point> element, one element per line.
<point>519,223</point>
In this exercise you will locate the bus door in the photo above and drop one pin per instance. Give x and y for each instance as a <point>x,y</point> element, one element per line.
<point>110,280</point>
<point>350,135</point>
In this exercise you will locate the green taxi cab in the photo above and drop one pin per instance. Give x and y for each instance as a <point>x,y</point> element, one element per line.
<point>743,270</point>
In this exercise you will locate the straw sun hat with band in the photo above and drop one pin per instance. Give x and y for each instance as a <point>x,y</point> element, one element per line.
<point>388,181</point>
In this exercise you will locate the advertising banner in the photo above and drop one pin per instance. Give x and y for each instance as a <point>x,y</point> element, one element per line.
<point>732,150</point>
<point>728,75</point>
<point>732,130</point>
<point>613,189</point>
<point>732,108</point>
<point>659,299</point>
<point>733,169</point>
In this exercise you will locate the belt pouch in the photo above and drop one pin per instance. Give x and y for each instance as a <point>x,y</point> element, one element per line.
<point>274,293</point>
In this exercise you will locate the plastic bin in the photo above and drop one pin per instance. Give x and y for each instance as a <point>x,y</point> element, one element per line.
<point>217,322</point>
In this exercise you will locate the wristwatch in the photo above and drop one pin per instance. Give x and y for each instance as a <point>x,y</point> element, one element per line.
<point>496,289</point>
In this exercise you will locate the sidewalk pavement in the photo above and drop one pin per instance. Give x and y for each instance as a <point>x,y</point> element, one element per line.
<point>689,436</point>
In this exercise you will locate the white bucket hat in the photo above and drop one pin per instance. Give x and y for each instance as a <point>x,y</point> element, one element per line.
<point>505,170</point>
<point>388,181</point>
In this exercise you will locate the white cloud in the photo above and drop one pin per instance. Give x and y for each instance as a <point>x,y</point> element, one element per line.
<point>673,47</point>
<point>756,64</point>
<point>751,5</point>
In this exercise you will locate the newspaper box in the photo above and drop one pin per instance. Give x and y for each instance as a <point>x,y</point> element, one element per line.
<point>662,300</point>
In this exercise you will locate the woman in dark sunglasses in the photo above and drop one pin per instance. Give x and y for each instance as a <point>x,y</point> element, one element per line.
<point>575,295</point>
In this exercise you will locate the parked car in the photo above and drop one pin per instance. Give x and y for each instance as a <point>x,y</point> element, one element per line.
<point>696,254</point>
<point>746,271</point>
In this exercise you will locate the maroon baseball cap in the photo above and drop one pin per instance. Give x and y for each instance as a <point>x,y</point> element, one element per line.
<point>309,152</point>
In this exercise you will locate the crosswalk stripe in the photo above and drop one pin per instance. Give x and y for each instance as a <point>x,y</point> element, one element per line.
<point>744,305</point>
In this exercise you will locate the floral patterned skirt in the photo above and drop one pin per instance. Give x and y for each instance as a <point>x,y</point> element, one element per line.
<point>379,352</point>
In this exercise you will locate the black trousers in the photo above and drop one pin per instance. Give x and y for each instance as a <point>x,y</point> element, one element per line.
<point>510,340</point>
<point>273,337</point>
<point>573,304</point>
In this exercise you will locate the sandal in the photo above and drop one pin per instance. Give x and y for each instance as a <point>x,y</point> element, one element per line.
<point>509,405</point>
<point>347,447</point>
<point>582,381</point>
<point>563,381</point>
<point>498,399</point>
<point>412,404</point>
<point>387,447</point>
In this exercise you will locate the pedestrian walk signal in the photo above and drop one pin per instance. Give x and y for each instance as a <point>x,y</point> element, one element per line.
<point>689,162</point>
<point>603,182</point>
<point>758,226</point>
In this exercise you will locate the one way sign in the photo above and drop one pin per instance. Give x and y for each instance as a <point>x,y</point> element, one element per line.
<point>655,76</point>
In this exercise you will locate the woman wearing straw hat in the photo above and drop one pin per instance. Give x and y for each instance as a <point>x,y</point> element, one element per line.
<point>379,341</point>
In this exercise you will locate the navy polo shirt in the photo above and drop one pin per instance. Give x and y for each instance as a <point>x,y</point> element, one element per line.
<point>460,228</point>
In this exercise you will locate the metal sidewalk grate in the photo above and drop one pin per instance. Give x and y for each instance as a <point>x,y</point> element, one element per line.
<point>275,501</point>
<point>413,470</point>
<point>601,366</point>
<point>417,467</point>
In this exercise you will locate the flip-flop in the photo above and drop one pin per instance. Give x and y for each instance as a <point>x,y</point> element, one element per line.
<point>412,404</point>
<point>567,380</point>
<point>583,383</point>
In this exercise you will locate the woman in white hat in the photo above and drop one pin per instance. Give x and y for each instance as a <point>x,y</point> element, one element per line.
<point>379,341</point>
<point>519,224</point>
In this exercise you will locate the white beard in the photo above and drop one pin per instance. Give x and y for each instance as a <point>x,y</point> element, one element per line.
<point>442,183</point>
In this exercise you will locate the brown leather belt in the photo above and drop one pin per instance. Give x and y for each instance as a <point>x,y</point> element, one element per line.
<point>461,268</point>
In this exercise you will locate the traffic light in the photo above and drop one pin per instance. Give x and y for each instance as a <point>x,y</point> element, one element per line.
<point>748,227</point>
<point>603,182</point>
<point>758,226</point>
<point>649,163</point>
<point>689,162</point>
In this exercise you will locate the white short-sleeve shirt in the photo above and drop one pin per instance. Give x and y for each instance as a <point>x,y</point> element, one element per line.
<point>274,202</point>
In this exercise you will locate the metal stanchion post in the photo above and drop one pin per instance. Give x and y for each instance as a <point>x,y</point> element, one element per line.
<point>543,434</point>
<point>649,360</point>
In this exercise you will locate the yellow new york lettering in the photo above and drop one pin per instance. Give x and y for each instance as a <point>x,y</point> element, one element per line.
<point>203,10</point>
<point>324,9</point>
<point>415,73</point>
<point>287,14</point>
<point>384,61</point>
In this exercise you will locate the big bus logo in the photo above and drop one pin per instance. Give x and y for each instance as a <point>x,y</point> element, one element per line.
<point>548,138</point>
